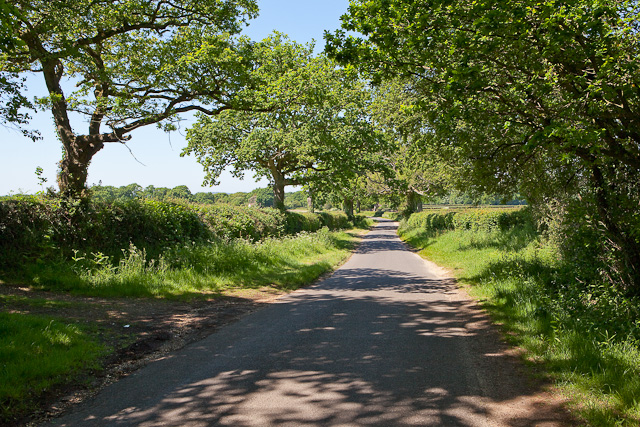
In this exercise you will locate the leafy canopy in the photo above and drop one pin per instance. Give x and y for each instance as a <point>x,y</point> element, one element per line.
<point>540,97</point>
<point>313,126</point>
<point>115,66</point>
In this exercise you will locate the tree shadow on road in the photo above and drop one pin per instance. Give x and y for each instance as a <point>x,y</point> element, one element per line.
<point>366,347</point>
<point>382,359</point>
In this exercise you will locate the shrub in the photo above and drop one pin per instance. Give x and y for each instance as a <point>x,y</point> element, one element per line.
<point>229,222</point>
<point>335,220</point>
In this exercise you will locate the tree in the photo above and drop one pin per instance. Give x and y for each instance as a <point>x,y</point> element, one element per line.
<point>295,200</point>
<point>132,63</point>
<point>206,198</point>
<point>418,168</point>
<point>180,192</point>
<point>263,197</point>
<point>314,129</point>
<point>537,97</point>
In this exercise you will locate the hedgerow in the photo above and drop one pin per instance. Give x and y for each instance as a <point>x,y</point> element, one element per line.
<point>229,222</point>
<point>469,219</point>
<point>35,228</point>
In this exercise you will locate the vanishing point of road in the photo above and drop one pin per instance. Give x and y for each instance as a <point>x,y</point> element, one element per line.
<point>387,340</point>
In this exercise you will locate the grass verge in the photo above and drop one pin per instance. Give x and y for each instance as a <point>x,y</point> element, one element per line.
<point>202,270</point>
<point>583,337</point>
<point>38,353</point>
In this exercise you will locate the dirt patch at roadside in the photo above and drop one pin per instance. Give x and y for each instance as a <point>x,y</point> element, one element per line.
<point>138,330</point>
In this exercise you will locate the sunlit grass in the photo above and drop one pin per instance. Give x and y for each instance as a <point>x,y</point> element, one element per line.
<point>36,354</point>
<point>206,269</point>
<point>580,338</point>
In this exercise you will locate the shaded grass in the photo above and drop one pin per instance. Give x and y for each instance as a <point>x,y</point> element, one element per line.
<point>582,336</point>
<point>16,300</point>
<point>36,354</point>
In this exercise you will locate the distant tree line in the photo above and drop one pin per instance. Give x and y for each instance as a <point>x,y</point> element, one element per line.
<point>262,197</point>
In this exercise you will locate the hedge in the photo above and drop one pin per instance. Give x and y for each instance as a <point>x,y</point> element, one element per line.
<point>469,219</point>
<point>33,227</point>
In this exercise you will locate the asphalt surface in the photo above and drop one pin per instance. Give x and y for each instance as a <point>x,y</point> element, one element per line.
<point>387,340</point>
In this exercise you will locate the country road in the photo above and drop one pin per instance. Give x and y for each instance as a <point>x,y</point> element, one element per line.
<point>387,340</point>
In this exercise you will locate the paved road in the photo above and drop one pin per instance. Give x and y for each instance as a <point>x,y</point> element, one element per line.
<point>387,340</point>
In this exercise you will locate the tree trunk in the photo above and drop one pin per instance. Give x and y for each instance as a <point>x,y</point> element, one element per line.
<point>626,260</point>
<point>74,166</point>
<point>347,206</point>
<point>279,183</point>
<point>78,151</point>
<point>310,207</point>
<point>358,208</point>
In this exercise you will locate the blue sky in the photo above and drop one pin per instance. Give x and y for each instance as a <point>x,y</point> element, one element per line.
<point>159,153</point>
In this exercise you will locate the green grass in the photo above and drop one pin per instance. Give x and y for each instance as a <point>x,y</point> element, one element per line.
<point>582,336</point>
<point>196,270</point>
<point>36,354</point>
<point>395,216</point>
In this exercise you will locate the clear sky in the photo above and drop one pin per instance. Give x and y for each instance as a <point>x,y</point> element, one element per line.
<point>159,153</point>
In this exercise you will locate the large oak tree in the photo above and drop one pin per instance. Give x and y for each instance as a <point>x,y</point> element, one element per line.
<point>314,126</point>
<point>113,66</point>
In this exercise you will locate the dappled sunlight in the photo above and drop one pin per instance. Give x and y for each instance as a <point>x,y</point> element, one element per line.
<point>340,372</point>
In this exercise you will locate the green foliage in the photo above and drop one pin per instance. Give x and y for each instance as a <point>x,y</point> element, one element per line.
<point>228,222</point>
<point>307,221</point>
<point>120,65</point>
<point>312,126</point>
<point>395,216</point>
<point>304,221</point>
<point>470,219</point>
<point>263,196</point>
<point>37,234</point>
<point>534,97</point>
<point>204,269</point>
<point>37,354</point>
<point>584,335</point>
<point>418,167</point>
<point>32,229</point>
<point>296,200</point>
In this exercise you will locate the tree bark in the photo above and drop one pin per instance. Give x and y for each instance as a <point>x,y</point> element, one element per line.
<point>279,183</point>
<point>74,166</point>
<point>624,246</point>
<point>310,206</point>
<point>347,206</point>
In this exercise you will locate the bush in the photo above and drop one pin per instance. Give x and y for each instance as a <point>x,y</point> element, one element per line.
<point>34,227</point>
<point>335,220</point>
<point>232,222</point>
